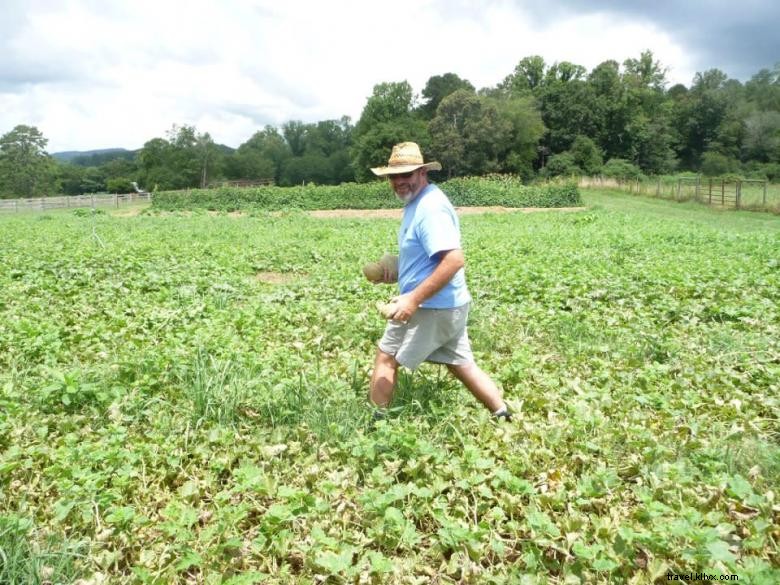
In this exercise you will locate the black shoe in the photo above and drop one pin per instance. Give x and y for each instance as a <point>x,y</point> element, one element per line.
<point>505,415</point>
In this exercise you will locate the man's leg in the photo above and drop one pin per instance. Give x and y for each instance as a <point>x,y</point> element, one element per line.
<point>383,379</point>
<point>479,384</point>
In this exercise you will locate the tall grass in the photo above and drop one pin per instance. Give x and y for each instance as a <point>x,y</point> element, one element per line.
<point>217,389</point>
<point>23,562</point>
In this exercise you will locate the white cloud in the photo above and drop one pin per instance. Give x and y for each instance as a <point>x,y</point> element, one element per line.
<point>94,75</point>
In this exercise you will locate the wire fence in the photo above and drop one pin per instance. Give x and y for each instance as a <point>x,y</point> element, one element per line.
<point>115,200</point>
<point>727,193</point>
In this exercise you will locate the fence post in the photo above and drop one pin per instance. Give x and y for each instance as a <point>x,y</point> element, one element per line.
<point>723,192</point>
<point>765,182</point>
<point>116,200</point>
<point>738,193</point>
<point>698,184</point>
<point>679,186</point>
<point>710,190</point>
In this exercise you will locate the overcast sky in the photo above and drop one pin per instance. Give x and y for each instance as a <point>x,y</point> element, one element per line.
<point>95,74</point>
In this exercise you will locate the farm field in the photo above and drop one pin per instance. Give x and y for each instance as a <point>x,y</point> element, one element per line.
<point>183,400</point>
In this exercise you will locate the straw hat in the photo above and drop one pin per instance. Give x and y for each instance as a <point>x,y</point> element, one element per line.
<point>405,158</point>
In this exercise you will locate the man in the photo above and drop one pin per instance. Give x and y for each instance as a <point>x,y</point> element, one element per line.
<point>429,323</point>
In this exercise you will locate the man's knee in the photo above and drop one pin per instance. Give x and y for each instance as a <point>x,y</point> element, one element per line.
<point>461,370</point>
<point>385,360</point>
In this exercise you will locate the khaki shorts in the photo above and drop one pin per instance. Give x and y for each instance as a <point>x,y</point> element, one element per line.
<point>433,335</point>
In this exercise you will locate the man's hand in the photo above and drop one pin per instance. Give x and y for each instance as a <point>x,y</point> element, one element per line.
<point>406,306</point>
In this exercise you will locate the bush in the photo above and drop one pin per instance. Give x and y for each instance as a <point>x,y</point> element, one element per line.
<point>715,164</point>
<point>508,191</point>
<point>494,190</point>
<point>587,155</point>
<point>119,185</point>
<point>763,171</point>
<point>561,165</point>
<point>618,168</point>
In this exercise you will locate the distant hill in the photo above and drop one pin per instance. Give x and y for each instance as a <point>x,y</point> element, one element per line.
<point>93,158</point>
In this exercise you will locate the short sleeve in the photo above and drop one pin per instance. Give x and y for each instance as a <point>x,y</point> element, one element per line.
<point>438,231</point>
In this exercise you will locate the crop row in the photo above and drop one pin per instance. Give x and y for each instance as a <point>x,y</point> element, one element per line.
<point>495,190</point>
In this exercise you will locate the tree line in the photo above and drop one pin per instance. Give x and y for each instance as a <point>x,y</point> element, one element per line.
<point>542,120</point>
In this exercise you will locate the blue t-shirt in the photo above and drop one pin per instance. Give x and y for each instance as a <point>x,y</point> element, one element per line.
<point>430,226</point>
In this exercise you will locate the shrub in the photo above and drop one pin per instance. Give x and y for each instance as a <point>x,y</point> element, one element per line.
<point>494,190</point>
<point>119,185</point>
<point>561,165</point>
<point>618,168</point>
<point>587,155</point>
<point>714,164</point>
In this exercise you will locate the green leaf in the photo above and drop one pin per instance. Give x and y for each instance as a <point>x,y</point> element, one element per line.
<point>380,564</point>
<point>189,560</point>
<point>719,552</point>
<point>739,487</point>
<point>334,563</point>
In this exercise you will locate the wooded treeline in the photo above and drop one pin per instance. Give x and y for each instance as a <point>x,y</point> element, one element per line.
<point>542,120</point>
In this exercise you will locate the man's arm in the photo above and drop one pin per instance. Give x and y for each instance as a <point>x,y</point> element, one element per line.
<point>450,262</point>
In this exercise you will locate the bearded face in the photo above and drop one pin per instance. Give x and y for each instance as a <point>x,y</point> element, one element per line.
<point>408,185</point>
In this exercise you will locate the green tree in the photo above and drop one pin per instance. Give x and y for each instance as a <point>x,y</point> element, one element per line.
<point>294,133</point>
<point>439,87</point>
<point>119,185</point>
<point>715,163</point>
<point>763,89</point>
<point>450,130</point>
<point>618,168</point>
<point>762,136</point>
<point>561,165</point>
<point>387,118</point>
<point>261,157</point>
<point>645,72</point>
<point>698,115</point>
<point>525,131</point>
<point>586,155</point>
<point>184,159</point>
<point>26,169</point>
<point>527,77</point>
<point>473,134</point>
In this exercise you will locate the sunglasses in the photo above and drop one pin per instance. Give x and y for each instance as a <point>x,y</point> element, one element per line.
<point>401,175</point>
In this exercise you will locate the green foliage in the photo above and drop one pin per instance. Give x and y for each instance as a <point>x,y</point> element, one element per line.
<point>183,159</point>
<point>216,425</point>
<point>26,170</point>
<point>502,190</point>
<point>621,169</point>
<point>586,155</point>
<point>439,87</point>
<point>508,191</point>
<point>475,135</point>
<point>561,165</point>
<point>119,185</point>
<point>387,119</point>
<point>23,562</point>
<point>715,164</point>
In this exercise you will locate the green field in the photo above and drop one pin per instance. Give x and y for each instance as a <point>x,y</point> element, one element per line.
<point>183,400</point>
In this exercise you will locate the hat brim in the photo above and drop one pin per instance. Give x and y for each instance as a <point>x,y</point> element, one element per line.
<point>399,169</point>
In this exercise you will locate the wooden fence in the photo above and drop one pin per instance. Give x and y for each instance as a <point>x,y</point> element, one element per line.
<point>734,193</point>
<point>115,200</point>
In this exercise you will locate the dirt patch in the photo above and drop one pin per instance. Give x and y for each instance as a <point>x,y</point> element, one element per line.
<point>396,213</point>
<point>276,277</point>
<point>127,211</point>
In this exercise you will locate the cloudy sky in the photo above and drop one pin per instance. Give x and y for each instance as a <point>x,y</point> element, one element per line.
<point>95,74</point>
